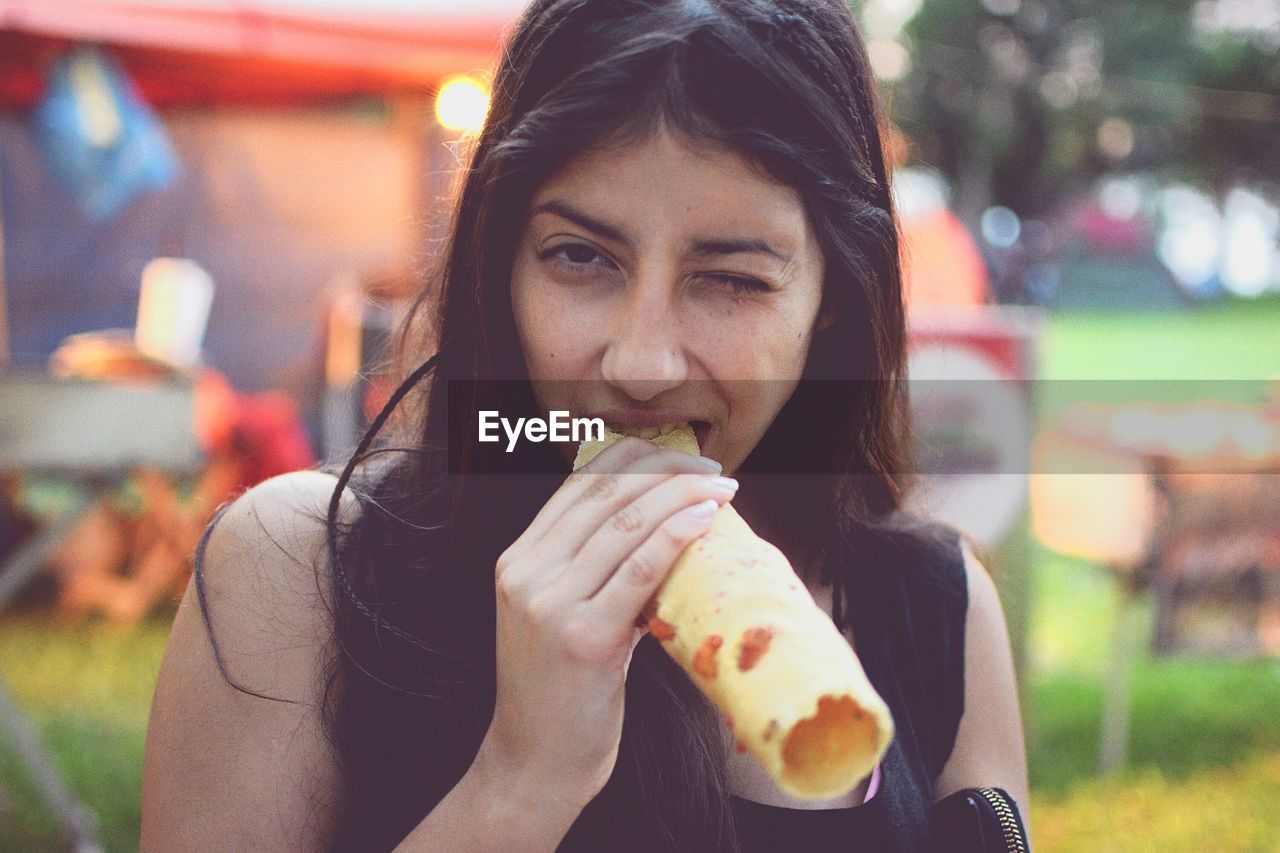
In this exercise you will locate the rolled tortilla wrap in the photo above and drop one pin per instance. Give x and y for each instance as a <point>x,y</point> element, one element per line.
<point>737,618</point>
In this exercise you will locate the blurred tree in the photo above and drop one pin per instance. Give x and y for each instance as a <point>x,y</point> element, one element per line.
<point>1019,102</point>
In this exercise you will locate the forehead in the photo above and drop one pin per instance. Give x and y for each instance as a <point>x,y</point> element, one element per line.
<point>671,184</point>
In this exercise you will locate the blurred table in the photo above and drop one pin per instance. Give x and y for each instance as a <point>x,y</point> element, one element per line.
<point>90,435</point>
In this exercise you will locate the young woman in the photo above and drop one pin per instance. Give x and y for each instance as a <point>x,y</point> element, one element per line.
<point>678,210</point>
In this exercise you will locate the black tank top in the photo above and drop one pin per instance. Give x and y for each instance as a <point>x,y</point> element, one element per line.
<point>403,752</point>
<point>908,625</point>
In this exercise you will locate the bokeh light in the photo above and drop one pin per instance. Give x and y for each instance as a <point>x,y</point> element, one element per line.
<point>462,104</point>
<point>1001,227</point>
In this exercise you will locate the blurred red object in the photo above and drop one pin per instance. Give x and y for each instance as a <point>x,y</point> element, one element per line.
<point>262,432</point>
<point>941,265</point>
<point>183,52</point>
<point>270,437</point>
<point>1101,230</point>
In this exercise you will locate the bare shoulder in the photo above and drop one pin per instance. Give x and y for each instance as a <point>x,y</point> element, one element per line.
<point>984,598</point>
<point>267,552</point>
<point>236,756</point>
<point>990,749</point>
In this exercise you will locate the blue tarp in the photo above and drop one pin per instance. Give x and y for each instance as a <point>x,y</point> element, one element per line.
<point>100,140</point>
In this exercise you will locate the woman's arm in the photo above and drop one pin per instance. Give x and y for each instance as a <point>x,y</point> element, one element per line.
<point>224,769</point>
<point>229,771</point>
<point>990,750</point>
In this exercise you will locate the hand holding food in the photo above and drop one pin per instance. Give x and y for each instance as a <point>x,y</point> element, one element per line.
<point>568,594</point>
<point>735,616</point>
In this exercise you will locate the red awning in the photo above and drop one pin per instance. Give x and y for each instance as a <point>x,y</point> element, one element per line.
<point>193,51</point>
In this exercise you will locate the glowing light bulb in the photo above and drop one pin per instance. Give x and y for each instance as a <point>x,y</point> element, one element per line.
<point>462,104</point>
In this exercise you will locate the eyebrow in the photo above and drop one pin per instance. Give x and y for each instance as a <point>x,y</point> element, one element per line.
<point>698,248</point>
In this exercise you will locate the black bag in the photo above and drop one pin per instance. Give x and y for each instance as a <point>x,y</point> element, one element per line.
<point>979,820</point>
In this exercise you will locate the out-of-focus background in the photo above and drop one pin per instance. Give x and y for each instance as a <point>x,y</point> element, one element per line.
<point>212,214</point>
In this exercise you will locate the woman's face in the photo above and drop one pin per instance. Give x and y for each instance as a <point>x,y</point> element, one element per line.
<point>650,282</point>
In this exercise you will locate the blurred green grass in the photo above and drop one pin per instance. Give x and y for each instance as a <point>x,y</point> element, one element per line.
<point>87,688</point>
<point>1204,770</point>
<point>1234,339</point>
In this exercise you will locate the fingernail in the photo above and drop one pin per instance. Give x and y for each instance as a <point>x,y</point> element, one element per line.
<point>710,464</point>
<point>727,483</point>
<point>702,510</point>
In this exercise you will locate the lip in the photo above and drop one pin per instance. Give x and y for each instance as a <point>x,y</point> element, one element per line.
<point>646,418</point>
<point>656,418</point>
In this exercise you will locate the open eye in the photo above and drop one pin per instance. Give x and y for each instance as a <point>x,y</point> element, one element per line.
<point>575,255</point>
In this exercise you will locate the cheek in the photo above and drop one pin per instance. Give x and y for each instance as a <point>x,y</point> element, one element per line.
<point>754,341</point>
<point>549,327</point>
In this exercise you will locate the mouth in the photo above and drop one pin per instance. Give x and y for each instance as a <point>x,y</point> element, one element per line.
<point>648,424</point>
<point>701,429</point>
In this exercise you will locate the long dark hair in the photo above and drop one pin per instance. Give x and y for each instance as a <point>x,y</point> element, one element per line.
<point>783,83</point>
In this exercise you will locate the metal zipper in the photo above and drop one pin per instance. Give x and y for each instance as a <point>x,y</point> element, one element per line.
<point>1008,823</point>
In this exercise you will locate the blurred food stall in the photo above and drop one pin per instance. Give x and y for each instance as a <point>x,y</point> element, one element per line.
<point>209,210</point>
<point>309,159</point>
<point>299,157</point>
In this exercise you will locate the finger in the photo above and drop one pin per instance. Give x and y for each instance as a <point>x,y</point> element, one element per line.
<point>608,494</point>
<point>612,541</point>
<point>614,458</point>
<point>571,490</point>
<point>579,507</point>
<point>625,594</point>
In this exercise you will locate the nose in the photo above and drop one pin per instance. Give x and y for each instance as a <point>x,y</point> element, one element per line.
<point>645,354</point>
